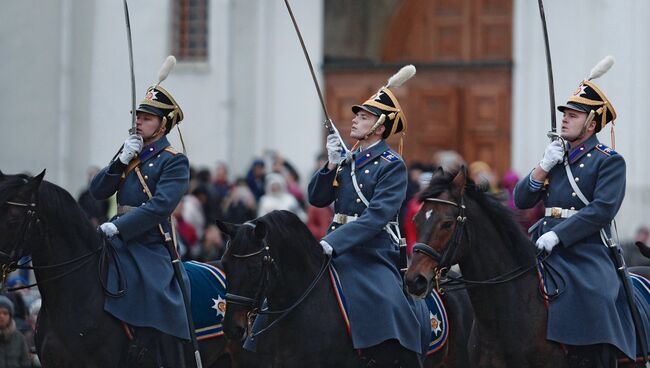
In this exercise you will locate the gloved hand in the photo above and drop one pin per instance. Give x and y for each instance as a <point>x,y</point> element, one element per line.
<point>334,149</point>
<point>553,155</point>
<point>547,241</point>
<point>109,229</point>
<point>327,249</point>
<point>132,146</point>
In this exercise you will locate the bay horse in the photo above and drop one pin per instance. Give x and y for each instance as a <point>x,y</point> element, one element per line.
<point>43,220</point>
<point>459,223</point>
<point>276,259</point>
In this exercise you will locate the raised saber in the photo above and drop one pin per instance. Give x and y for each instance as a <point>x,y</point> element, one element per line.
<point>552,134</point>
<point>128,37</point>
<point>328,123</point>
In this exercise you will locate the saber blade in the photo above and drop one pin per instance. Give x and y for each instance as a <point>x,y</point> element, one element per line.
<point>128,37</point>
<point>549,67</point>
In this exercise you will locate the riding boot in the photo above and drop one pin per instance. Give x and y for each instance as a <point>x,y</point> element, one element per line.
<point>592,356</point>
<point>389,354</point>
<point>153,348</point>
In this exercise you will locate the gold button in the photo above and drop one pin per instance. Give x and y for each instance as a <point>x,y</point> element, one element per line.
<point>361,185</point>
<point>150,165</point>
<point>158,155</point>
<point>376,162</point>
<point>573,208</point>
<point>582,165</point>
<point>544,222</point>
<point>367,155</point>
<point>588,154</point>
<point>143,190</point>
<point>577,179</point>
<point>151,149</point>
<point>333,227</point>
<point>358,200</point>
<point>573,194</point>
<point>582,148</point>
<point>146,176</point>
<point>367,171</point>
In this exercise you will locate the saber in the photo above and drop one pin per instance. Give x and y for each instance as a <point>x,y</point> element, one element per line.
<point>128,37</point>
<point>328,123</point>
<point>549,70</point>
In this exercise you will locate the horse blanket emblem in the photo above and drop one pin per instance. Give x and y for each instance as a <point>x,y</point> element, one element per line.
<point>208,298</point>
<point>437,313</point>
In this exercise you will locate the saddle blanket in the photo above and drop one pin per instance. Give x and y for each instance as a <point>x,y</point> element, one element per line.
<point>437,313</point>
<point>208,298</point>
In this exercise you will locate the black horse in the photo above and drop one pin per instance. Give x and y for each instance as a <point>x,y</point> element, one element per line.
<point>458,223</point>
<point>277,259</point>
<point>40,219</point>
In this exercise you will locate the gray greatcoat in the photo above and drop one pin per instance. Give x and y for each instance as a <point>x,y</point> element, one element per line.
<point>365,256</point>
<point>592,307</point>
<point>153,298</point>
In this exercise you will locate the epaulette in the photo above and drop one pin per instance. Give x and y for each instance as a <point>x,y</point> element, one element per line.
<point>389,156</point>
<point>606,150</point>
<point>171,150</point>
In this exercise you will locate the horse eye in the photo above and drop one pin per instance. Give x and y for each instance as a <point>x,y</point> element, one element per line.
<point>446,225</point>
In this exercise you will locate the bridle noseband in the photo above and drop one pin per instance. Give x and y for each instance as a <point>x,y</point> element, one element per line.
<point>9,260</point>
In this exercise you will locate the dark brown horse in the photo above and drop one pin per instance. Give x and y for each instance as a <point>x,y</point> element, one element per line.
<point>40,219</point>
<point>460,224</point>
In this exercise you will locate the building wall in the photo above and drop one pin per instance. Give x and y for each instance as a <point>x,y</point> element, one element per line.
<point>70,98</point>
<point>581,33</point>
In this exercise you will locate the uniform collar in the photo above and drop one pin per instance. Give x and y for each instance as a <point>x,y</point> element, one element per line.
<point>584,147</point>
<point>152,149</point>
<point>363,157</point>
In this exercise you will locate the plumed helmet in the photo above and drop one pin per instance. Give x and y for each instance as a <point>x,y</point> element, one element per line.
<point>158,101</point>
<point>588,97</point>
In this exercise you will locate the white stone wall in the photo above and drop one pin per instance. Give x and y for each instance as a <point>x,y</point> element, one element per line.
<point>581,33</point>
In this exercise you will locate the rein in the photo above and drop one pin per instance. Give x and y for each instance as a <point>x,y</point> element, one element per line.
<point>446,259</point>
<point>255,303</point>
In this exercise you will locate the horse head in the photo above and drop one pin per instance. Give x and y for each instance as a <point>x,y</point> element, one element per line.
<point>440,225</point>
<point>246,262</point>
<point>18,215</point>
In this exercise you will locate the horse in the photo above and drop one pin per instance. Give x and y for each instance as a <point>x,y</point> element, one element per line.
<point>277,268</point>
<point>43,220</point>
<point>459,223</point>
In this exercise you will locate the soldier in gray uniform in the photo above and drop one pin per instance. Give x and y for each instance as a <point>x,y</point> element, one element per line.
<point>153,302</point>
<point>582,185</point>
<point>368,189</point>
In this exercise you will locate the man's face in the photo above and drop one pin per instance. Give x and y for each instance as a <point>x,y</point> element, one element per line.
<point>362,123</point>
<point>147,124</point>
<point>5,318</point>
<point>572,125</point>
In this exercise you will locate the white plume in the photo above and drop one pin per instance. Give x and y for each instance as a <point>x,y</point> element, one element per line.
<point>166,67</point>
<point>401,76</point>
<point>602,67</point>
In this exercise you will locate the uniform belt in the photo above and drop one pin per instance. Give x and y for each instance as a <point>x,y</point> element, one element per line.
<point>122,209</point>
<point>342,219</point>
<point>558,212</point>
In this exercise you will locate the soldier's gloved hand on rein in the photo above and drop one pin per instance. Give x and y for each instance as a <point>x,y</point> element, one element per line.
<point>553,155</point>
<point>547,241</point>
<point>109,229</point>
<point>334,149</point>
<point>132,146</point>
<point>327,249</point>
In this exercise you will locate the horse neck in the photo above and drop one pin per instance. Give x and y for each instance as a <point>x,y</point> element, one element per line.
<point>297,268</point>
<point>487,256</point>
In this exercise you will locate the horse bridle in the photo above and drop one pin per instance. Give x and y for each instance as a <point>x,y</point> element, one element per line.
<point>446,259</point>
<point>254,304</point>
<point>9,260</point>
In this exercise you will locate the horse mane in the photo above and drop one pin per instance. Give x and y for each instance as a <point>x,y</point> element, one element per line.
<point>500,216</point>
<point>63,211</point>
<point>285,228</point>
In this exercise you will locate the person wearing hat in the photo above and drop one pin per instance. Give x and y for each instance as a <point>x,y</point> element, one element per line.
<point>368,188</point>
<point>150,178</point>
<point>582,184</point>
<point>13,348</point>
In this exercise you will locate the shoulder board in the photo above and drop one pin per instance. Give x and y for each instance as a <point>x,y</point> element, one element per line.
<point>390,156</point>
<point>606,150</point>
<point>171,150</point>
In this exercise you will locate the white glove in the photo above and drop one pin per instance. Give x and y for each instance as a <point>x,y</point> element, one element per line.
<point>553,155</point>
<point>547,241</point>
<point>334,149</point>
<point>327,249</point>
<point>132,146</point>
<point>109,229</point>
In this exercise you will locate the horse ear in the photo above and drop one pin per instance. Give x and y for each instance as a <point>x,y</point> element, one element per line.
<point>261,230</point>
<point>34,182</point>
<point>227,228</point>
<point>460,180</point>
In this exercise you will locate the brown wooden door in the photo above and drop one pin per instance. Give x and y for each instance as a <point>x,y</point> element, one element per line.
<point>460,96</point>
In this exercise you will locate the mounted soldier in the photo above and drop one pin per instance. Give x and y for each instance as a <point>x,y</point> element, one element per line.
<point>150,178</point>
<point>582,185</point>
<point>367,188</point>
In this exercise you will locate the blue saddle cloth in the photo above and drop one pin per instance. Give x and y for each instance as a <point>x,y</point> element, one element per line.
<point>208,298</point>
<point>642,299</point>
